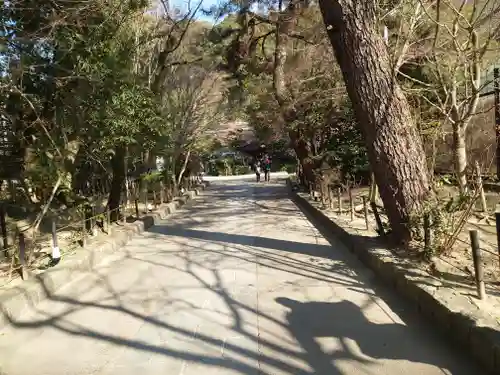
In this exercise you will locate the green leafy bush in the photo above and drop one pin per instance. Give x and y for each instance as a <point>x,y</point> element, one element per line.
<point>290,168</point>
<point>242,169</point>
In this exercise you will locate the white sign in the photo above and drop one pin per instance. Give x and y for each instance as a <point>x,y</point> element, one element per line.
<point>160,163</point>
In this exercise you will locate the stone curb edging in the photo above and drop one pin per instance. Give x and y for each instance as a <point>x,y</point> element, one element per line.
<point>480,337</point>
<point>31,292</point>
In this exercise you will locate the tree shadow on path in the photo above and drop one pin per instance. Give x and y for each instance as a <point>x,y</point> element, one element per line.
<point>310,321</point>
<point>185,272</point>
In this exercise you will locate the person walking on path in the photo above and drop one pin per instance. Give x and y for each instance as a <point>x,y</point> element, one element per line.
<point>257,168</point>
<point>267,167</point>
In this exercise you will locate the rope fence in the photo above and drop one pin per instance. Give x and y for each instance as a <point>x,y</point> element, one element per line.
<point>343,201</point>
<point>28,251</point>
<point>356,205</point>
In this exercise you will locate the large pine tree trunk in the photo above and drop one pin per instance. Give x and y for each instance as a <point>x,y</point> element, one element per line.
<point>394,148</point>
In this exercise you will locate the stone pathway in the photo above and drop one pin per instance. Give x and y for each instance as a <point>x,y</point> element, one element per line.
<point>239,283</point>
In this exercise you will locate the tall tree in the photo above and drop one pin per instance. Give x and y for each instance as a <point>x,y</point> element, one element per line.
<point>442,49</point>
<point>394,147</point>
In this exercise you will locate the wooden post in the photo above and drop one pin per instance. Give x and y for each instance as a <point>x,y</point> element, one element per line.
<point>365,211</point>
<point>478,264</point>
<point>136,202</point>
<point>323,195</point>
<point>380,226</point>
<point>127,191</point>
<point>124,213</point>
<point>479,182</point>
<point>146,198</point>
<point>93,220</point>
<point>339,200</point>
<point>496,85</point>
<point>427,233</point>
<point>22,257</point>
<point>3,225</point>
<point>56,253</point>
<point>154,198</point>
<point>497,222</point>
<point>108,221</point>
<point>162,193</point>
<point>84,231</point>
<point>351,203</point>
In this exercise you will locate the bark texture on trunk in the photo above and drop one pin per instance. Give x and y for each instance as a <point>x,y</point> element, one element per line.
<point>183,168</point>
<point>118,165</point>
<point>304,155</point>
<point>146,165</point>
<point>372,196</point>
<point>394,148</point>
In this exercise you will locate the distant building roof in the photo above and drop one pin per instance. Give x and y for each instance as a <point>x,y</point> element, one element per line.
<point>252,147</point>
<point>225,130</point>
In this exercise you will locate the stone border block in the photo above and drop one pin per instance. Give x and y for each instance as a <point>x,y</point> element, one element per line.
<point>478,333</point>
